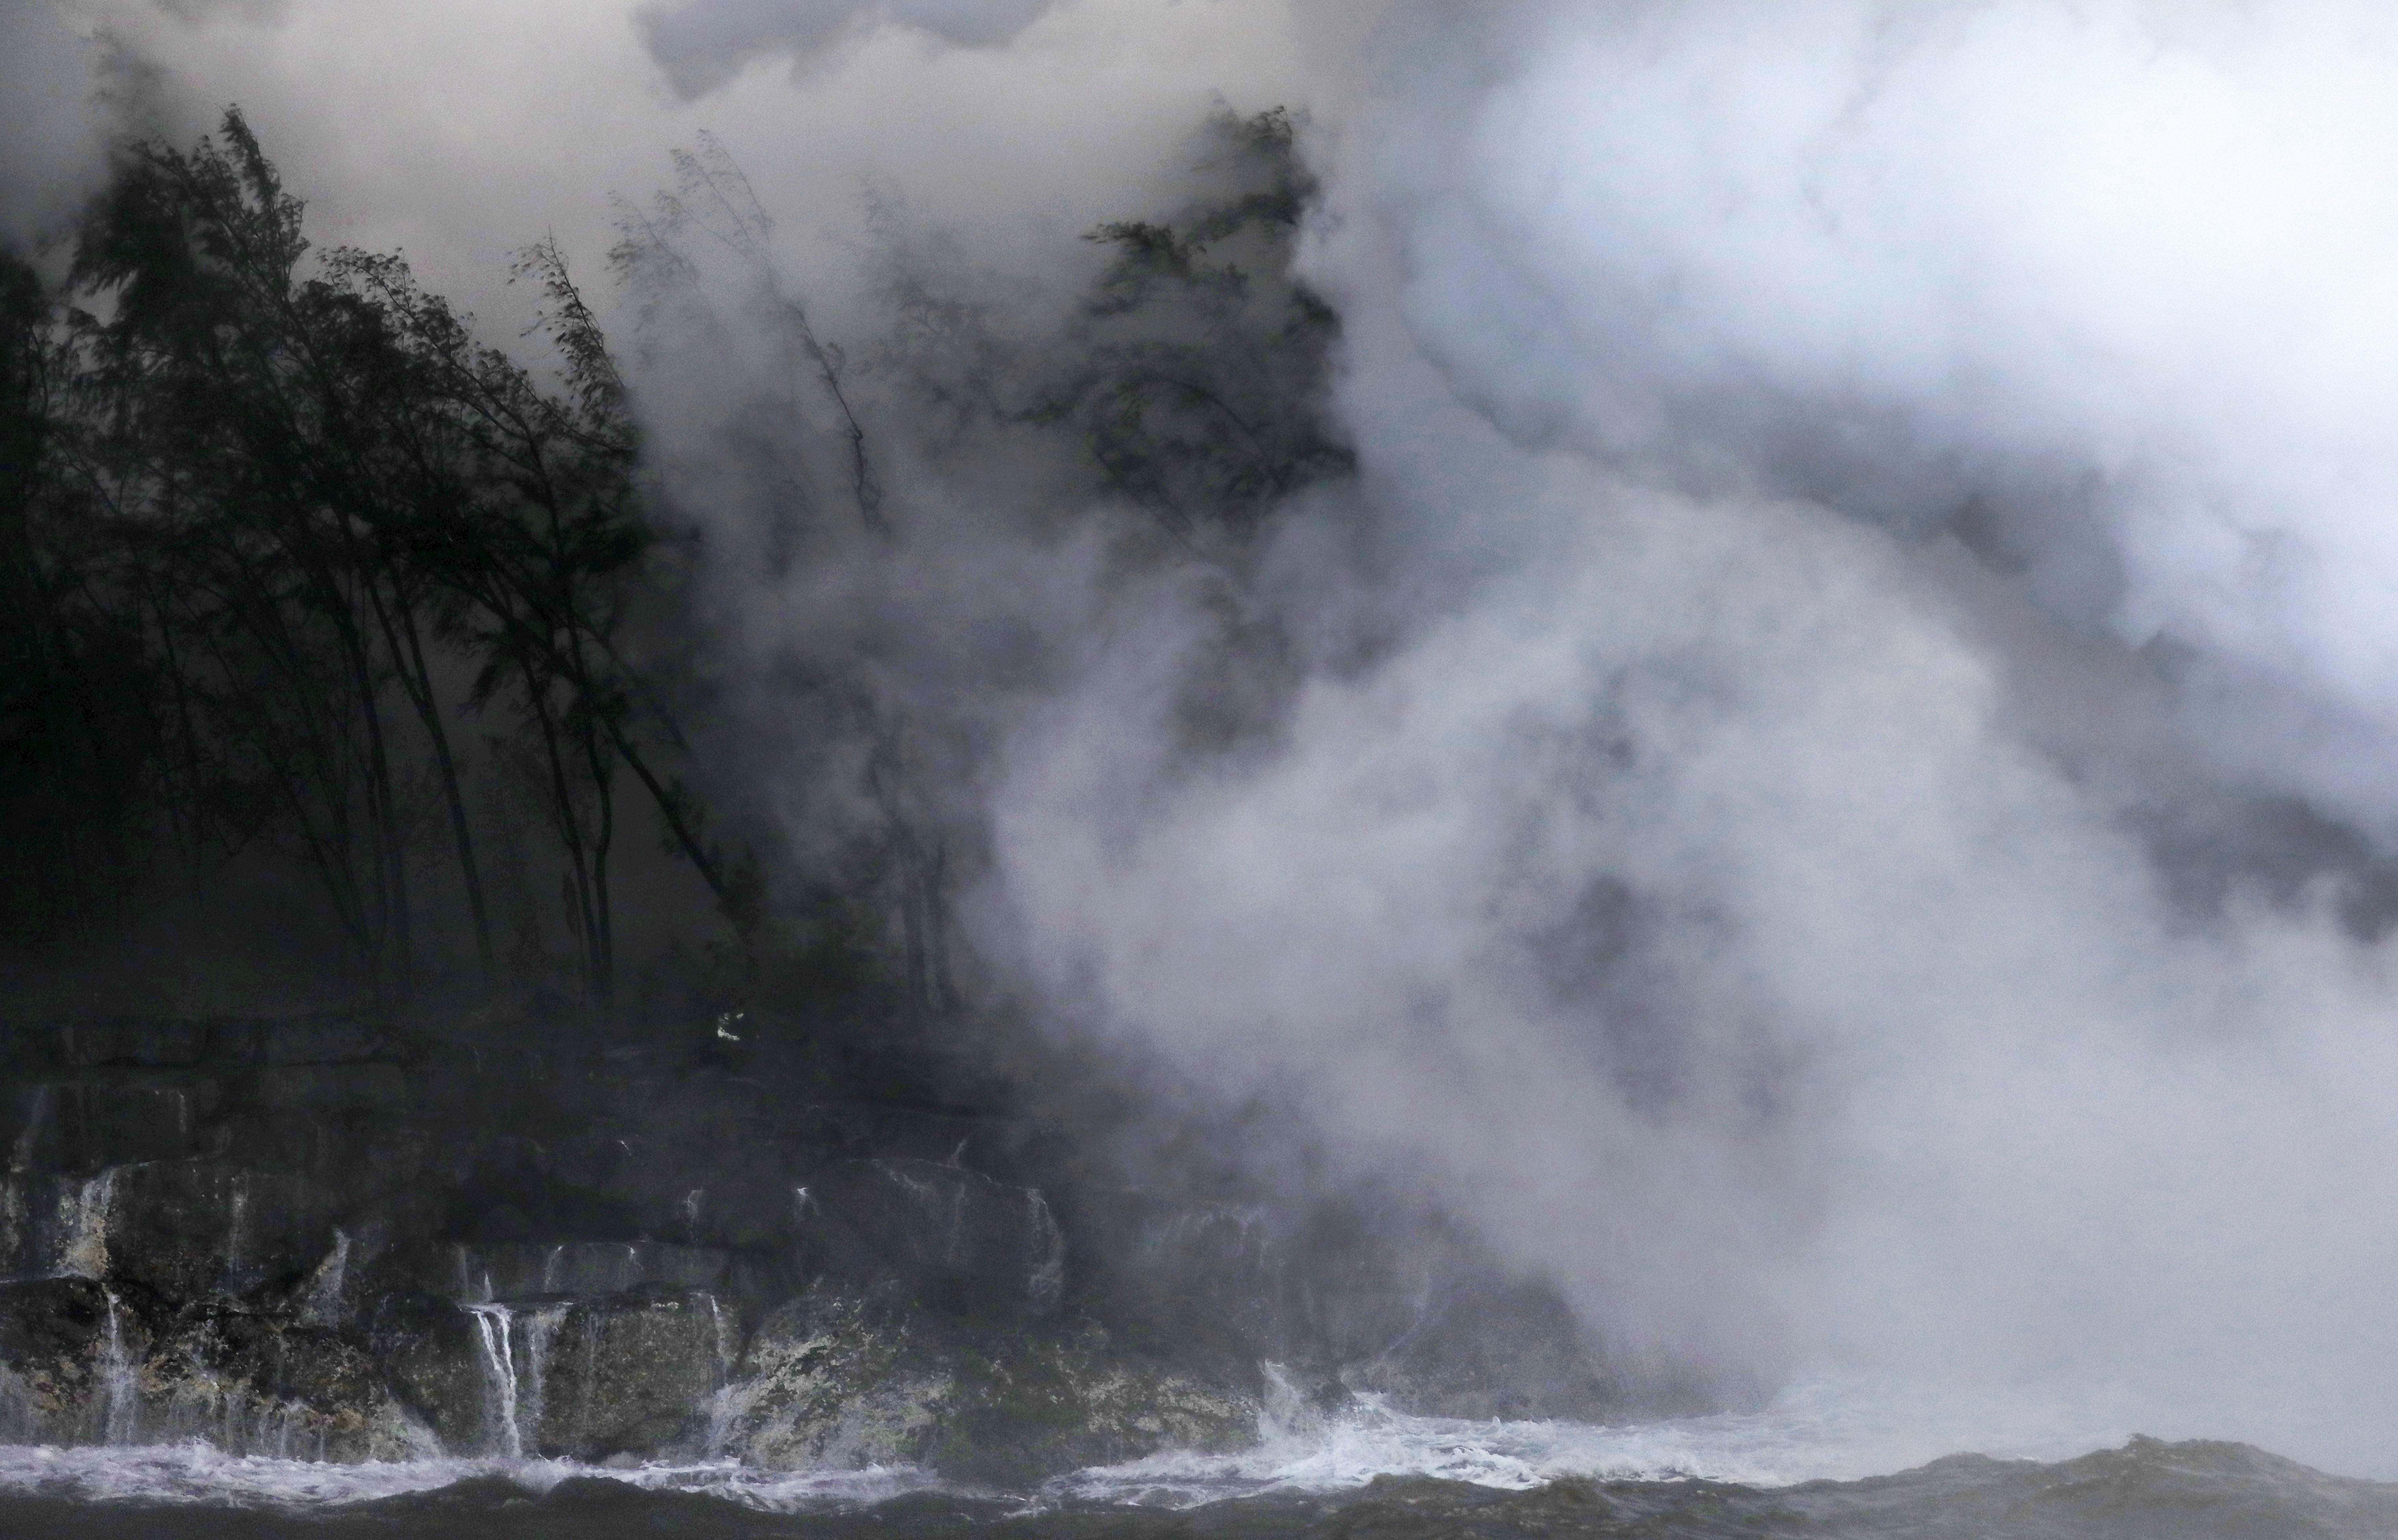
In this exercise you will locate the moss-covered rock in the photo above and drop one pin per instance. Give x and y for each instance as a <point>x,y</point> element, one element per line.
<point>1033,1405</point>
<point>634,1373</point>
<point>831,1379</point>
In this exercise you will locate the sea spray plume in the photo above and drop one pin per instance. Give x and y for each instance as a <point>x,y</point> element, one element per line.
<point>1686,916</point>
<point>1671,890</point>
<point>874,517</point>
<point>1197,382</point>
<point>1693,894</point>
<point>764,453</point>
<point>2094,285</point>
<point>1052,471</point>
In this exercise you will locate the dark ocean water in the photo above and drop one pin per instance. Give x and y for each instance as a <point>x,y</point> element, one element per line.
<point>2187,1491</point>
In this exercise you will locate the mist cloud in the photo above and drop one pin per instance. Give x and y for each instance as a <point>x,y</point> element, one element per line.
<point>1706,847</point>
<point>1709,893</point>
<point>53,145</point>
<point>701,41</point>
<point>1686,912</point>
<point>2102,283</point>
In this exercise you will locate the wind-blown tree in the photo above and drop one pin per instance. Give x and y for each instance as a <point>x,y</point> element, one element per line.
<point>1198,375</point>
<point>76,750</point>
<point>1191,384</point>
<point>228,449</point>
<point>271,522</point>
<point>527,530</point>
<point>315,501</point>
<point>697,265</point>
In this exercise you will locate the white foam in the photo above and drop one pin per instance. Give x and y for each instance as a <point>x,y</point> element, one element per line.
<point>195,1472</point>
<point>778,1490</point>
<point>1826,1430</point>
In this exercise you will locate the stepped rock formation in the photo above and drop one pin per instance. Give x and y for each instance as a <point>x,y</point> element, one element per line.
<point>326,1239</point>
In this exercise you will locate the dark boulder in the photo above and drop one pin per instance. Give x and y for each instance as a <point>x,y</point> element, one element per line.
<point>1486,1345</point>
<point>149,1044</point>
<point>384,1089</point>
<point>146,1043</point>
<point>1211,1282</point>
<point>867,1130</point>
<point>76,1127</point>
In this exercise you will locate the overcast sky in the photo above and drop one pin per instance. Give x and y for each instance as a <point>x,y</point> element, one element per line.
<point>458,130</point>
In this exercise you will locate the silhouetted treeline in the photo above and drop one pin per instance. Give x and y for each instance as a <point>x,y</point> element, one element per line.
<point>269,528</point>
<point>294,566</point>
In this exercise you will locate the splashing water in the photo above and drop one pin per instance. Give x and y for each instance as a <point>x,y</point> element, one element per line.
<point>195,1473</point>
<point>1826,1431</point>
<point>120,1390</point>
<point>84,1226</point>
<point>324,1306</point>
<point>541,1329</point>
<point>499,1359</point>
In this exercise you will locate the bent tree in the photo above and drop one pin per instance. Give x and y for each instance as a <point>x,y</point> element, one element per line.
<point>329,521</point>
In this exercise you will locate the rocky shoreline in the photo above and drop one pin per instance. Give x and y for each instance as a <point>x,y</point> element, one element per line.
<point>329,1238</point>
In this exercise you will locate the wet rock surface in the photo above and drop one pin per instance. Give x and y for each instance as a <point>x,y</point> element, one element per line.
<point>66,1349</point>
<point>70,1126</point>
<point>620,1374</point>
<point>255,1383</point>
<point>335,1238</point>
<point>516,1269</point>
<point>433,1356</point>
<point>187,1228</point>
<point>944,1230</point>
<point>847,1380</point>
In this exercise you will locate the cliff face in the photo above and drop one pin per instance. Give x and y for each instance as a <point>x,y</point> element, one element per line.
<point>329,1238</point>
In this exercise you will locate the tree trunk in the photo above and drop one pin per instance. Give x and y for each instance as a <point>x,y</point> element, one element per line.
<point>418,681</point>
